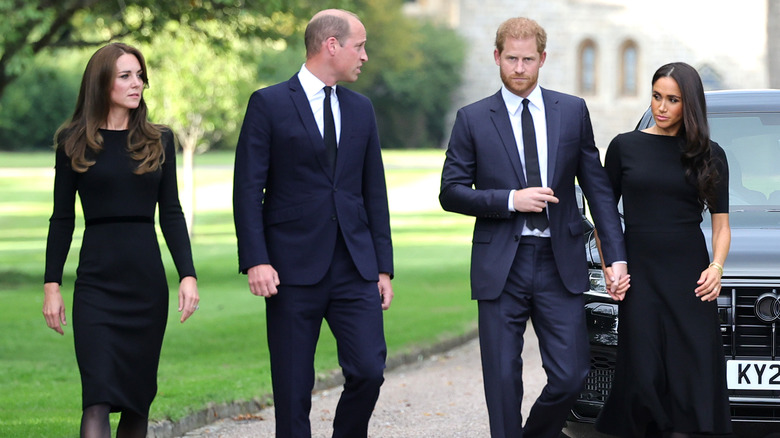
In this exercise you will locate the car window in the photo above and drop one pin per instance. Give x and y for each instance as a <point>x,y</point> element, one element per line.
<point>752,145</point>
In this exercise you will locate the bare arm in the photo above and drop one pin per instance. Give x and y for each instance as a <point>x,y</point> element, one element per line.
<point>709,281</point>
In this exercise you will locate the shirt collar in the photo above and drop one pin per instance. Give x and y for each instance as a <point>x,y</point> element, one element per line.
<point>311,84</point>
<point>514,102</point>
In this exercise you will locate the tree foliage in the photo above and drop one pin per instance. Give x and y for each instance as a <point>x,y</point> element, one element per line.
<point>40,101</point>
<point>413,70</point>
<point>196,90</point>
<point>206,57</point>
<point>30,26</point>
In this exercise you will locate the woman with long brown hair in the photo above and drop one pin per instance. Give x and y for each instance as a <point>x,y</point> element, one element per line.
<point>670,377</point>
<point>123,169</point>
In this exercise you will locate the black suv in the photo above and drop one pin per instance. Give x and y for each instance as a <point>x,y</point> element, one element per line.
<point>747,125</point>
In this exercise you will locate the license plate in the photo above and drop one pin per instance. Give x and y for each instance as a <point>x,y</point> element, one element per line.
<point>753,374</point>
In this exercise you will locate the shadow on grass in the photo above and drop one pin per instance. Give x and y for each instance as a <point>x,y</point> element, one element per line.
<point>13,279</point>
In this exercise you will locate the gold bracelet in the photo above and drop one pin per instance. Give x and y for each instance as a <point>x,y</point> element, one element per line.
<point>718,267</point>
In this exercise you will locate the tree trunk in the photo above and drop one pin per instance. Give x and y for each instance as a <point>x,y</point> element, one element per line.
<point>189,137</point>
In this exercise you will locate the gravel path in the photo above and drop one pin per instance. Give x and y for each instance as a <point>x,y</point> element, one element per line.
<point>439,397</point>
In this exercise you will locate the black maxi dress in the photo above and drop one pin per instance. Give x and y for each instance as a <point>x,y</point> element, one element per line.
<point>670,374</point>
<point>120,301</point>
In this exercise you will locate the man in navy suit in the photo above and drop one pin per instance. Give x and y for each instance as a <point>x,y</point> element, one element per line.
<point>311,216</point>
<point>512,161</point>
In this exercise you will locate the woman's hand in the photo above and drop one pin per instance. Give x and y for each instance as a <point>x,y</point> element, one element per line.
<point>709,284</point>
<point>53,307</point>
<point>188,297</point>
<point>709,280</point>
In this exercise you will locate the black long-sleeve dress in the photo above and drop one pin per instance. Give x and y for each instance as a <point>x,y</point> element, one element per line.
<point>120,301</point>
<point>670,373</point>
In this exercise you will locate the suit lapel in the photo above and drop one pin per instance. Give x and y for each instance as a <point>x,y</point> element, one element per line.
<point>553,117</point>
<point>306,115</point>
<point>503,125</point>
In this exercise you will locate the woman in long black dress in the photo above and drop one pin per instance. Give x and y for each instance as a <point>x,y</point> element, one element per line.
<point>670,375</point>
<point>123,168</point>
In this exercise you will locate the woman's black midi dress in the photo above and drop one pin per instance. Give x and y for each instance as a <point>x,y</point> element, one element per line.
<point>120,301</point>
<point>670,372</point>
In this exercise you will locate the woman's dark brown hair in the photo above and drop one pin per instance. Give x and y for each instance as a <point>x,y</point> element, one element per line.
<point>696,153</point>
<point>79,136</point>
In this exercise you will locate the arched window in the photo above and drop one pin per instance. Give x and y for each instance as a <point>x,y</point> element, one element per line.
<point>629,58</point>
<point>587,67</point>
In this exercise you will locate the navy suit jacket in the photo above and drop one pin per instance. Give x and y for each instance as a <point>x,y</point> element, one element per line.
<point>483,165</point>
<point>288,207</point>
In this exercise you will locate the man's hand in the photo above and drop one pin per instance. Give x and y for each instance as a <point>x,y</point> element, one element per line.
<point>533,199</point>
<point>617,279</point>
<point>263,280</point>
<point>385,290</point>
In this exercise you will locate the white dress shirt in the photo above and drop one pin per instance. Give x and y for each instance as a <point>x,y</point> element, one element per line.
<point>514,106</point>
<point>313,87</point>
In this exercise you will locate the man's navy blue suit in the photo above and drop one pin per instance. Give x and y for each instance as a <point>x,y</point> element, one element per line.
<point>327,234</point>
<point>516,277</point>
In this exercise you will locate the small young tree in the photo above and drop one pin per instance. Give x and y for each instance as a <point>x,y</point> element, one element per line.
<point>197,92</point>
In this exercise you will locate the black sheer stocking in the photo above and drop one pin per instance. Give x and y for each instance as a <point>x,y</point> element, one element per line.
<point>94,422</point>
<point>131,425</point>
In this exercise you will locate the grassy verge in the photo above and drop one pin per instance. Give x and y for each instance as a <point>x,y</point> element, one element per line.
<point>220,355</point>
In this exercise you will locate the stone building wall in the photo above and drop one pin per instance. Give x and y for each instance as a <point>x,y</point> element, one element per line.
<point>773,42</point>
<point>728,41</point>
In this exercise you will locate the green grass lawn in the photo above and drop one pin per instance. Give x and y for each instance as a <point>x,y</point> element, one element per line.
<point>220,354</point>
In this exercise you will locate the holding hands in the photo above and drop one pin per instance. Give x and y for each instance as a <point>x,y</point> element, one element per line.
<point>617,279</point>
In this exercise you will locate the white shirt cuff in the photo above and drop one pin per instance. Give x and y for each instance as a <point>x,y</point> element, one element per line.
<point>510,201</point>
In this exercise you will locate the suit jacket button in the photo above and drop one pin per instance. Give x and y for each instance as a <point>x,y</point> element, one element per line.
<point>333,218</point>
<point>517,238</point>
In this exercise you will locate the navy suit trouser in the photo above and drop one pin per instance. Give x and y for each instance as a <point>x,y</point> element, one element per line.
<point>353,309</point>
<point>533,290</point>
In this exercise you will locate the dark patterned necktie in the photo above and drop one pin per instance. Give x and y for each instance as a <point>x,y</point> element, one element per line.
<point>536,221</point>
<point>329,130</point>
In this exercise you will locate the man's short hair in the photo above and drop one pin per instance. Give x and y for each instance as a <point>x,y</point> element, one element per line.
<point>521,28</point>
<point>325,26</point>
